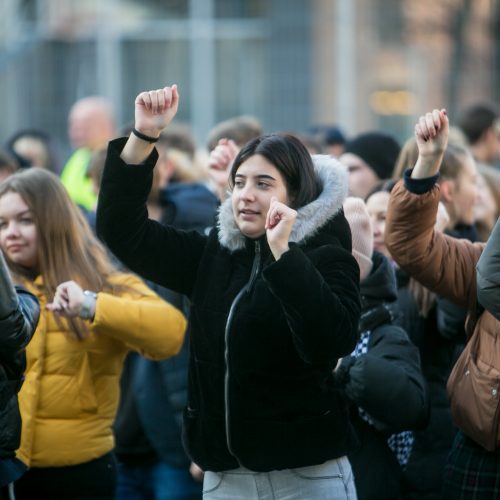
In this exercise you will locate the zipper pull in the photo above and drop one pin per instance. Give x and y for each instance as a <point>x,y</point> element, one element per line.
<point>255,267</point>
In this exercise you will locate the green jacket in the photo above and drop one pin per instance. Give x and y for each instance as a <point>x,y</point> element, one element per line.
<point>76,181</point>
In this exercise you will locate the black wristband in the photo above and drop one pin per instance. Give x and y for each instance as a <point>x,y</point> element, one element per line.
<point>144,137</point>
<point>419,186</point>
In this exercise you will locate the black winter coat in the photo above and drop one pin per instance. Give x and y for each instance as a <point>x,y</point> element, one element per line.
<point>264,334</point>
<point>16,330</point>
<point>154,393</point>
<point>387,383</point>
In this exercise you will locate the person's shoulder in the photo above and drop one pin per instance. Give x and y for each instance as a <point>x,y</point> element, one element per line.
<point>331,256</point>
<point>334,233</point>
<point>24,293</point>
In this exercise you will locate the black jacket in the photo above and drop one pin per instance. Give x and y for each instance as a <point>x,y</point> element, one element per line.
<point>264,335</point>
<point>19,312</point>
<point>188,205</point>
<point>386,382</point>
<point>148,425</point>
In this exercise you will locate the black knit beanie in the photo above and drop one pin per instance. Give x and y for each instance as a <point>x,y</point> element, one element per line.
<point>380,151</point>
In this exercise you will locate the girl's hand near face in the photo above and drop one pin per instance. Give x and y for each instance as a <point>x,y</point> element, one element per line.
<point>279,223</point>
<point>68,300</point>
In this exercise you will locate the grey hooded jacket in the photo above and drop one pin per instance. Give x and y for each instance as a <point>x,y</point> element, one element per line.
<point>488,274</point>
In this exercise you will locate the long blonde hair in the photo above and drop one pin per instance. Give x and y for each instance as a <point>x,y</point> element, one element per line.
<point>67,247</point>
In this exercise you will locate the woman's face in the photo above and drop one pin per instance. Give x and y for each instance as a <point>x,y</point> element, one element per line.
<point>18,233</point>
<point>464,197</point>
<point>485,209</point>
<point>362,179</point>
<point>255,183</point>
<point>377,205</point>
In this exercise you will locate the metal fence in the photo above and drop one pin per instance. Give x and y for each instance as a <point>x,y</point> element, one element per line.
<point>224,66</point>
<point>232,57</point>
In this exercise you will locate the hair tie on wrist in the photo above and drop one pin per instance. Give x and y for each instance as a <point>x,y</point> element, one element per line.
<point>144,137</point>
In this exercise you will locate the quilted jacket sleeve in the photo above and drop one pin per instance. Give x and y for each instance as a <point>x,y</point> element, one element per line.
<point>443,264</point>
<point>387,381</point>
<point>488,274</point>
<point>140,319</point>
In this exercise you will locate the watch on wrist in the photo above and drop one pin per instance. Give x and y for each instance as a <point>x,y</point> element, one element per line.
<point>87,310</point>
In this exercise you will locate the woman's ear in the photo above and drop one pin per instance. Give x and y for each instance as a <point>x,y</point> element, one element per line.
<point>447,190</point>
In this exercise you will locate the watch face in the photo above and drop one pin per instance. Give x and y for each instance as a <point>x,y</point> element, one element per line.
<point>86,308</point>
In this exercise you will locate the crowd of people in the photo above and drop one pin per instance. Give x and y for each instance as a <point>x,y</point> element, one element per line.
<point>274,317</point>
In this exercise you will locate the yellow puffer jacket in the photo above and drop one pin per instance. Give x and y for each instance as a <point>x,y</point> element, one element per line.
<point>70,395</point>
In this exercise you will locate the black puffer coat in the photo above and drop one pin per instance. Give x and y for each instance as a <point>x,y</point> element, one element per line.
<point>19,312</point>
<point>382,378</point>
<point>264,334</point>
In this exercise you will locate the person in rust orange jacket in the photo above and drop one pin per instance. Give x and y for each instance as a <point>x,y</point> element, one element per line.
<point>447,266</point>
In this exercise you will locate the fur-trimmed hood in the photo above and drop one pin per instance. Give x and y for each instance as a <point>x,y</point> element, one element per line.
<point>333,178</point>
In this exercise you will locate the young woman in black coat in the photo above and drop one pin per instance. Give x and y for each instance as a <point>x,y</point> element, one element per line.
<point>382,377</point>
<point>275,303</point>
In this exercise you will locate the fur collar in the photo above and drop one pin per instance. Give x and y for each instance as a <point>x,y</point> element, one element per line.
<point>310,218</point>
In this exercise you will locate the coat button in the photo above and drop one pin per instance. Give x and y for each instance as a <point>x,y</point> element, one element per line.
<point>494,392</point>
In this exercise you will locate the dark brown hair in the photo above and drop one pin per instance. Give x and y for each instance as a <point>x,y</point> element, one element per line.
<point>293,161</point>
<point>476,119</point>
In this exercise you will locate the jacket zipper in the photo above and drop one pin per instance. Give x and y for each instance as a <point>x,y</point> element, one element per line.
<point>246,288</point>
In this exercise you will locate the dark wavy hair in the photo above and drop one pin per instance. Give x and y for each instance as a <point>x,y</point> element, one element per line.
<point>291,159</point>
